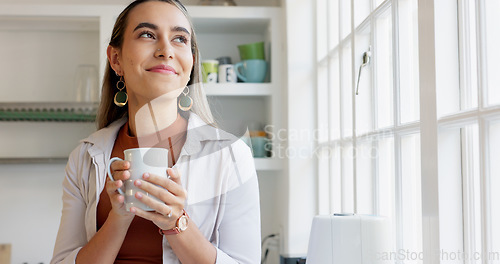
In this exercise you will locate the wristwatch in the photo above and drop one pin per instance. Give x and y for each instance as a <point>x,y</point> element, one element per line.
<point>180,225</point>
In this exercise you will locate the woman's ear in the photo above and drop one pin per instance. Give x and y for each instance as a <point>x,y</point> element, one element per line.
<point>114,59</point>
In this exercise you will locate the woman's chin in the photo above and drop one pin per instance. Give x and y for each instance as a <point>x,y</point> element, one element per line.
<point>168,95</point>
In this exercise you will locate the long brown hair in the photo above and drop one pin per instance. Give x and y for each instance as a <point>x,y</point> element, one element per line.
<point>109,112</point>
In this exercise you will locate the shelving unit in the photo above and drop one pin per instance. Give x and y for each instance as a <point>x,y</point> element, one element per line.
<point>44,44</point>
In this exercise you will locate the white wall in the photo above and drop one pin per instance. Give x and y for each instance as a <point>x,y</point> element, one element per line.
<point>301,122</point>
<point>30,206</point>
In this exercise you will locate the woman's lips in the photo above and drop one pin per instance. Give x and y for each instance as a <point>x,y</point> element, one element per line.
<point>162,69</point>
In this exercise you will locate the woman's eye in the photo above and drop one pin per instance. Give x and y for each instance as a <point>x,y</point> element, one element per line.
<point>146,35</point>
<point>181,39</point>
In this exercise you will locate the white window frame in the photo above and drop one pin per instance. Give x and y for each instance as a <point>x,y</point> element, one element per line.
<point>428,126</point>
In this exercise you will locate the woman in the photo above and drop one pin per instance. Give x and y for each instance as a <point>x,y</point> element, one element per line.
<point>152,56</point>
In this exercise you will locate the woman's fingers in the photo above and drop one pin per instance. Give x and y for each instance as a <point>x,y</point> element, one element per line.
<point>111,189</point>
<point>119,169</point>
<point>160,186</point>
<point>158,219</point>
<point>175,175</point>
<point>112,186</point>
<point>164,216</point>
<point>170,193</point>
<point>121,175</point>
<point>117,200</point>
<point>158,206</point>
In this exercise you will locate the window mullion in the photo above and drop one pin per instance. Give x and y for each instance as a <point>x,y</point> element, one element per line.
<point>353,85</point>
<point>484,188</point>
<point>428,122</point>
<point>341,117</point>
<point>398,185</point>
<point>464,56</point>
<point>328,90</point>
<point>468,195</point>
<point>398,234</point>
<point>483,129</point>
<point>481,45</point>
<point>375,176</point>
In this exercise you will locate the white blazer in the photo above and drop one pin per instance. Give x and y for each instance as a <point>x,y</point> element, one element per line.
<point>217,170</point>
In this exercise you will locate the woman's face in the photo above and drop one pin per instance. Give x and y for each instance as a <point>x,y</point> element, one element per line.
<point>156,56</point>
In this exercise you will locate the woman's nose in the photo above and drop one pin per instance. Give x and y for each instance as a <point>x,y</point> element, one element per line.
<point>164,51</point>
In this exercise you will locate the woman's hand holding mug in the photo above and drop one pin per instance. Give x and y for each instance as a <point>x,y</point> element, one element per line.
<point>170,194</point>
<point>114,182</point>
<point>150,189</point>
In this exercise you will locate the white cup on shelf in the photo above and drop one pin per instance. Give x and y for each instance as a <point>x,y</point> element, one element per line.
<point>227,74</point>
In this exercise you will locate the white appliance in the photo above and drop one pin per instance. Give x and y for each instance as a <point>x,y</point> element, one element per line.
<point>349,239</point>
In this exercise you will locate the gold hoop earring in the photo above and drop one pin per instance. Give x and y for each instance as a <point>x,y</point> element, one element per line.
<point>185,101</point>
<point>121,97</point>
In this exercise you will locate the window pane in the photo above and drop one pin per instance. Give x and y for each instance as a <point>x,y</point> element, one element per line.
<point>322,104</point>
<point>334,83</point>
<point>447,71</point>
<point>361,11</point>
<point>492,36</point>
<point>333,23</point>
<point>345,18</point>
<point>386,195</point>
<point>364,119</point>
<point>472,187</point>
<point>469,56</point>
<point>347,179</point>
<point>384,70</point>
<point>494,186</point>
<point>408,61</point>
<point>335,180</point>
<point>385,172</point>
<point>364,177</point>
<point>321,29</point>
<point>346,86</point>
<point>323,181</point>
<point>411,211</point>
<point>450,193</point>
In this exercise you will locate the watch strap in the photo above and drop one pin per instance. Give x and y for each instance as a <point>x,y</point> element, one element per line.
<point>173,231</point>
<point>176,230</point>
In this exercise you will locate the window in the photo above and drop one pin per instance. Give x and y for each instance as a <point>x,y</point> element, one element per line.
<point>373,137</point>
<point>369,103</point>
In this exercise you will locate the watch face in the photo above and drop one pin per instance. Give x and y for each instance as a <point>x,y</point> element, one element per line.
<point>183,223</point>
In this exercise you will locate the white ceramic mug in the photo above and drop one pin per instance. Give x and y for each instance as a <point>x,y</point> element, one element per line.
<point>227,74</point>
<point>142,160</point>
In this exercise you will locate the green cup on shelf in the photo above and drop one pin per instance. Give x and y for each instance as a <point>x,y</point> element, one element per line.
<point>252,51</point>
<point>209,70</point>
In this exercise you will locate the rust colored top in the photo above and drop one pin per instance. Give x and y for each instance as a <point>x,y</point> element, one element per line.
<point>142,243</point>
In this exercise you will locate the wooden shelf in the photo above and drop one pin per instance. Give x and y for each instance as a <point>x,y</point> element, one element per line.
<point>267,164</point>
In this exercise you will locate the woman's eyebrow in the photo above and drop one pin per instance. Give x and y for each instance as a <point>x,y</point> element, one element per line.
<point>146,25</point>
<point>155,27</point>
<point>181,29</point>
